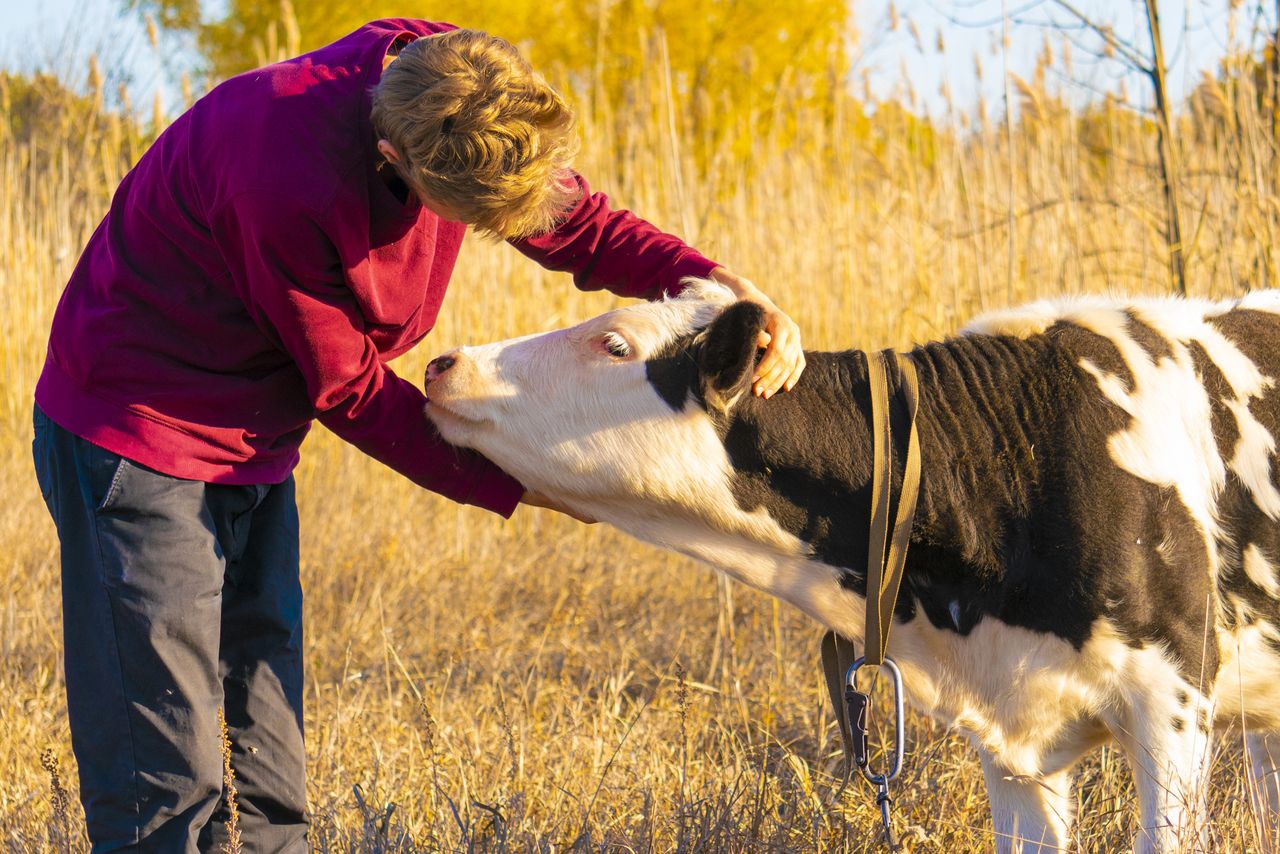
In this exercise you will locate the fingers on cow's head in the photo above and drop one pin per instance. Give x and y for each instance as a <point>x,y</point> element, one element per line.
<point>729,352</point>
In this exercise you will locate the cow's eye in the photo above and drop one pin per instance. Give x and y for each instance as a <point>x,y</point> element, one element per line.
<point>615,345</point>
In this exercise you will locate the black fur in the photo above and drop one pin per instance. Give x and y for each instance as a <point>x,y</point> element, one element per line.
<point>1148,339</point>
<point>728,350</point>
<point>1023,515</point>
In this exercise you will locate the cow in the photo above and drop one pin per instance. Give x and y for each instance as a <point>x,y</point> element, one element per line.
<point>1095,551</point>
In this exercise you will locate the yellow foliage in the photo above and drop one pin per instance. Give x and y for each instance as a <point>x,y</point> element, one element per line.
<point>735,68</point>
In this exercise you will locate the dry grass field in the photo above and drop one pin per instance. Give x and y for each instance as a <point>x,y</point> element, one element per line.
<point>538,685</point>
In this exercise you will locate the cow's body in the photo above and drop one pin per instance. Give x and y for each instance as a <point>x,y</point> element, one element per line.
<point>1095,554</point>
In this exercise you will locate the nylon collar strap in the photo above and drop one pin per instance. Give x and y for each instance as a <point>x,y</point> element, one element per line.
<point>886,556</point>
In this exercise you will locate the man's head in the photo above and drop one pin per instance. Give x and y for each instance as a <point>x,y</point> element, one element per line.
<point>477,133</point>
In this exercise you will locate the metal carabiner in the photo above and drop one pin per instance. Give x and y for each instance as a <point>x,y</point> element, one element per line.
<point>884,801</point>
<point>858,706</point>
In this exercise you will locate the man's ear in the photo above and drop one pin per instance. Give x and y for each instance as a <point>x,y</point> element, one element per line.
<point>728,354</point>
<point>388,151</point>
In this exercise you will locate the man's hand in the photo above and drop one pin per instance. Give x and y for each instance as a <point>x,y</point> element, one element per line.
<point>537,499</point>
<point>783,360</point>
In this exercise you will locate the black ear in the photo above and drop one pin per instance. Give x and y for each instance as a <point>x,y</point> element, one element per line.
<point>728,353</point>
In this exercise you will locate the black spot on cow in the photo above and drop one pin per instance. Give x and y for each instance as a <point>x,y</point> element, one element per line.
<point>1226,432</point>
<point>1178,724</point>
<point>1098,350</point>
<point>1183,697</point>
<point>1166,598</point>
<point>1156,345</point>
<point>801,458</point>
<point>1255,333</point>
<point>673,372</point>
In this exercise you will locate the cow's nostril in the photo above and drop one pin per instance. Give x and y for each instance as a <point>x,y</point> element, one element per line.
<point>442,364</point>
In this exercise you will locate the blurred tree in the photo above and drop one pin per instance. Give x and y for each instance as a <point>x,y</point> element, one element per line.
<point>41,107</point>
<point>52,129</point>
<point>42,114</point>
<point>733,68</point>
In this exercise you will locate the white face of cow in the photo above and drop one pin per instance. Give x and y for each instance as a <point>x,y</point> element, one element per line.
<point>622,418</point>
<point>572,413</point>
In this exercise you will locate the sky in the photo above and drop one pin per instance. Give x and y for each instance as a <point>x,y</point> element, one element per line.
<point>61,34</point>
<point>1195,35</point>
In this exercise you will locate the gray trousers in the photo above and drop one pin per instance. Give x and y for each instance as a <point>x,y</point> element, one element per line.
<point>178,597</point>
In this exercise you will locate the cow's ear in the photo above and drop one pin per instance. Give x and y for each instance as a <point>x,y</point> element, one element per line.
<point>728,353</point>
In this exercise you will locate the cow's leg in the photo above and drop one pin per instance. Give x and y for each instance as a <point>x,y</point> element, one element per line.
<point>1166,737</point>
<point>1031,815</point>
<point>1264,786</point>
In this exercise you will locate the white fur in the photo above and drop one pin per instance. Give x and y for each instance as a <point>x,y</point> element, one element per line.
<point>1260,571</point>
<point>1030,815</point>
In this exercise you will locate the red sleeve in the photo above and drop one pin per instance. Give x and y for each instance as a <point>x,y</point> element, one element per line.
<point>287,271</point>
<point>614,250</point>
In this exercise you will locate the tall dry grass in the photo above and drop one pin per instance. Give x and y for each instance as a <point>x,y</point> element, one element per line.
<point>539,685</point>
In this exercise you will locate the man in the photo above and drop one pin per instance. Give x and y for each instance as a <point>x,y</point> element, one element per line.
<point>277,245</point>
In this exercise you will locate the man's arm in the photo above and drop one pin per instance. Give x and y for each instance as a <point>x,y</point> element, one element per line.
<point>289,276</point>
<point>614,250</point>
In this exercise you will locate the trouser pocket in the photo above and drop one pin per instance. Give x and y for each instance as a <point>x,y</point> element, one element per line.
<point>40,426</point>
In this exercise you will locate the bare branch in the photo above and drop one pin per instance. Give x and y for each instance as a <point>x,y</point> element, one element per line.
<point>1130,53</point>
<point>1170,174</point>
<point>984,23</point>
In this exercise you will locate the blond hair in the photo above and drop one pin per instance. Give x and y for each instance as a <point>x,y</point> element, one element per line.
<point>479,131</point>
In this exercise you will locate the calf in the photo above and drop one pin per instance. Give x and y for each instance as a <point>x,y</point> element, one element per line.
<point>1095,550</point>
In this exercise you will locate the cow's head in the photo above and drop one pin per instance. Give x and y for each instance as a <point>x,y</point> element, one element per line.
<point>617,411</point>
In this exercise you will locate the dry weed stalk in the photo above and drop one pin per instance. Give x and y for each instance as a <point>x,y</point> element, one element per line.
<point>60,828</point>
<point>229,793</point>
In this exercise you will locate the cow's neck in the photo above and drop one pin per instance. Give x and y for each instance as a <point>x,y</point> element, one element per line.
<point>805,456</point>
